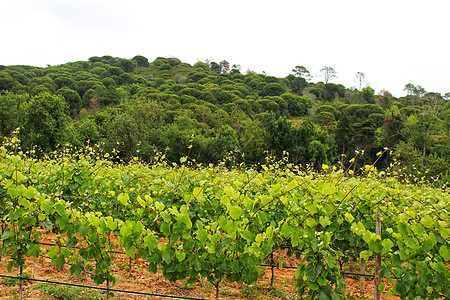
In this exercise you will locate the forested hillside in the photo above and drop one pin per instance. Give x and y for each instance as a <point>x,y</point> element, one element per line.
<point>211,111</point>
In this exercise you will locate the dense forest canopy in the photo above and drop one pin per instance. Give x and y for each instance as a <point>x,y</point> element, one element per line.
<point>211,111</point>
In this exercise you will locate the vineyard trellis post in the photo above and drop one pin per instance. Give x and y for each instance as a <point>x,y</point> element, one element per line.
<point>107,289</point>
<point>377,281</point>
<point>271,267</point>
<point>21,283</point>
<point>362,279</point>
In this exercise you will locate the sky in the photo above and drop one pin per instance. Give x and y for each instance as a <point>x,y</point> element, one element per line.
<point>393,42</point>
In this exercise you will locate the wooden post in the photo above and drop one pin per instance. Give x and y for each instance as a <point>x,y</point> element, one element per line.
<point>107,289</point>
<point>21,283</point>
<point>129,264</point>
<point>362,279</point>
<point>271,266</point>
<point>376,292</point>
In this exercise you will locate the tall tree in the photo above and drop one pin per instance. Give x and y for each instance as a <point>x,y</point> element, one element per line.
<point>361,77</point>
<point>409,88</point>
<point>328,73</point>
<point>141,61</point>
<point>301,71</point>
<point>224,66</point>
<point>45,121</point>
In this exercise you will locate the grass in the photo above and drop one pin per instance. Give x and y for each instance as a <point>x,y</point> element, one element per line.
<point>14,281</point>
<point>256,291</point>
<point>64,292</point>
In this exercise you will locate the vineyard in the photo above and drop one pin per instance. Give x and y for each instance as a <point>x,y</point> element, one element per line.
<point>191,221</point>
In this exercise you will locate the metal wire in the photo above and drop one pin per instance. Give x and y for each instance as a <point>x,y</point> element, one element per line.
<point>102,288</point>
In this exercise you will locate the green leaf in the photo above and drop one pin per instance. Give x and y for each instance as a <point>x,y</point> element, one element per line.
<point>180,256</point>
<point>150,242</point>
<point>384,271</point>
<point>313,286</point>
<point>123,198</point>
<point>59,262</point>
<point>250,276</point>
<point>46,224</point>
<point>202,235</point>
<point>444,252</point>
<point>328,189</point>
<point>152,267</point>
<point>400,288</point>
<point>166,256</point>
<point>231,192</point>
<point>291,185</point>
<point>323,296</point>
<point>324,221</point>
<point>313,271</point>
<point>387,245</point>
<point>412,243</point>
<point>322,281</point>
<point>6,234</point>
<point>427,221</point>
<point>30,192</point>
<point>165,229</point>
<point>287,230</point>
<point>235,212</point>
<point>349,217</point>
<point>24,202</point>
<point>246,234</point>
<point>310,222</point>
<point>402,229</point>
<point>376,246</point>
<point>159,206</point>
<point>60,209</point>
<point>41,216</point>
<point>112,225</point>
<point>366,254</point>
<point>14,192</point>
<point>312,208</point>
<point>331,261</point>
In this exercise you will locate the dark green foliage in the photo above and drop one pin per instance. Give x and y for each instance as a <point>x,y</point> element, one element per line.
<point>45,121</point>
<point>72,98</point>
<point>332,91</point>
<point>12,108</point>
<point>141,61</point>
<point>138,107</point>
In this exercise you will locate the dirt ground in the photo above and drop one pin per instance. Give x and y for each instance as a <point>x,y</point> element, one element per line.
<point>139,279</point>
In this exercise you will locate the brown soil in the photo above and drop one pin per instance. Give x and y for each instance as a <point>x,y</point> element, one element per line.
<point>141,280</point>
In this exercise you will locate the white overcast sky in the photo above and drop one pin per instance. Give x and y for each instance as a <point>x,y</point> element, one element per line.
<point>393,42</point>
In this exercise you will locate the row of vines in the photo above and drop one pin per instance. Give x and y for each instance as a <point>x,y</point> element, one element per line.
<point>222,224</point>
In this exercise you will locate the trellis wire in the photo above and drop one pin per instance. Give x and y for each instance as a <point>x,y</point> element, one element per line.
<point>107,289</point>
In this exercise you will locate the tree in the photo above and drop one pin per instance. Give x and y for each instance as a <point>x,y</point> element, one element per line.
<point>45,121</point>
<point>73,99</point>
<point>360,77</point>
<point>253,141</point>
<point>126,65</point>
<point>11,107</point>
<point>224,67</point>
<point>423,127</point>
<point>328,73</point>
<point>317,154</point>
<point>235,69</point>
<point>141,61</point>
<point>409,88</point>
<point>225,141</point>
<point>215,67</point>
<point>273,89</point>
<point>302,72</point>
<point>368,94</point>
